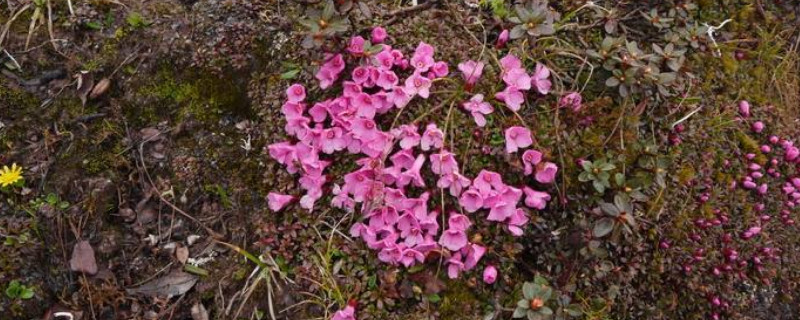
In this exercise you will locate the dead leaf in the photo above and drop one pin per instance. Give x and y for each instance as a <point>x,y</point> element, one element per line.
<point>127,214</point>
<point>83,258</point>
<point>429,281</point>
<point>173,284</point>
<point>150,133</point>
<point>199,312</point>
<point>100,88</point>
<point>182,253</point>
<point>85,85</point>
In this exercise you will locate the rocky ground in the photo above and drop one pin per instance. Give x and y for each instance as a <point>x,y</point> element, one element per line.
<point>142,126</point>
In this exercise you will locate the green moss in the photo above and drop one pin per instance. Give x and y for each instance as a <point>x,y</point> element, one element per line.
<point>459,302</point>
<point>201,96</point>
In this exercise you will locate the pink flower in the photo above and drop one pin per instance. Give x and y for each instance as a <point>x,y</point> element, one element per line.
<point>364,129</point>
<point>512,97</point>
<point>472,254</point>
<point>758,126</point>
<point>486,181</point>
<point>455,182</point>
<point>540,79</point>
<point>516,221</point>
<point>379,35</point>
<point>307,202</point>
<point>444,163</point>
<point>360,75</point>
<point>478,108</point>
<point>292,109</point>
<point>399,97</point>
<point>403,159</point>
<point>283,152</point>
<point>333,140</point>
<point>500,211</point>
<point>535,199</point>
<point>348,313</point>
<point>510,62</point>
<point>297,127</point>
<point>489,274</point>
<point>546,173</point>
<point>458,222</point>
<point>792,153</point>
<point>744,108</point>
<point>378,146</point>
<point>385,60</point>
<point>319,112</point>
<point>418,85</point>
<point>410,257</point>
<point>471,200</point>
<point>296,93</point>
<point>356,46</point>
<point>432,138</point>
<point>330,71</point>
<point>387,80</point>
<point>381,102</point>
<point>390,253</point>
<point>571,100</point>
<point>751,232</point>
<point>277,201</point>
<point>341,200</point>
<point>454,266</point>
<point>412,174</point>
<point>517,77</point>
<point>364,106</point>
<point>422,60</point>
<point>453,239</point>
<point>517,138</point>
<point>440,69</point>
<point>502,39</point>
<point>471,71</point>
<point>409,138</point>
<point>531,158</point>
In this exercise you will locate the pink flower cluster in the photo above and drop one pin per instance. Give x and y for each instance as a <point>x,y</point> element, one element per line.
<point>770,176</point>
<point>401,228</point>
<point>517,80</point>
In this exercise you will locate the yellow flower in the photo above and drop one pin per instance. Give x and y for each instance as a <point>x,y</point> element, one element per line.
<point>10,176</point>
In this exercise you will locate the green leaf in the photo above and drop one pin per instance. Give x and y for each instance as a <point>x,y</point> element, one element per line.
<point>547,293</point>
<point>623,203</point>
<point>329,10</point>
<point>135,20</point>
<point>26,293</point>
<point>523,304</point>
<point>619,178</point>
<point>291,74</point>
<point>434,298</point>
<point>603,227</point>
<point>528,289</point>
<point>94,25</point>
<point>666,77</point>
<point>585,176</point>
<point>609,209</point>
<point>612,82</point>
<point>598,186</point>
<point>607,166</point>
<point>540,280</point>
<point>196,270</point>
<point>573,310</point>
<point>519,313</point>
<point>546,311</point>
<point>517,32</point>
<point>12,291</point>
<point>587,165</point>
